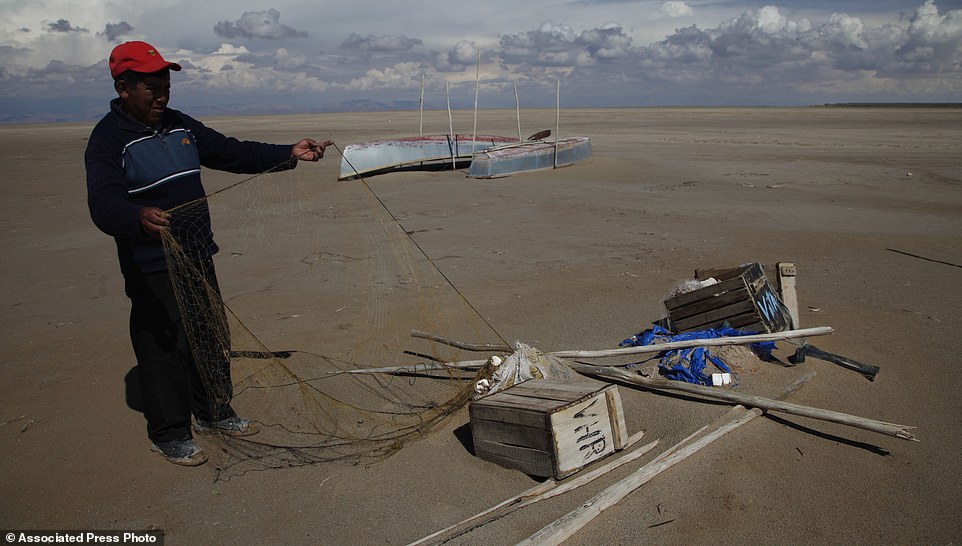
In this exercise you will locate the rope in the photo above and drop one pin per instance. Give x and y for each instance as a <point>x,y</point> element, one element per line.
<point>421,250</point>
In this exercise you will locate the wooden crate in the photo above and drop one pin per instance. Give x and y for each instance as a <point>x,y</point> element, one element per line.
<point>743,298</point>
<point>549,428</point>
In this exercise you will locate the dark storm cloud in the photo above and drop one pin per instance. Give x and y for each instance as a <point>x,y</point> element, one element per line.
<point>258,24</point>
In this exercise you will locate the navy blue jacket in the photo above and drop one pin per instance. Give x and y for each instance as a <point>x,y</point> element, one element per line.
<point>131,166</point>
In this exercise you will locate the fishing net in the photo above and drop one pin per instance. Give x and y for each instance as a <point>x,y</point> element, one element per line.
<point>317,281</point>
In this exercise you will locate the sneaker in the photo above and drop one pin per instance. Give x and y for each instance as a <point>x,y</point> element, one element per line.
<point>183,452</point>
<point>232,426</point>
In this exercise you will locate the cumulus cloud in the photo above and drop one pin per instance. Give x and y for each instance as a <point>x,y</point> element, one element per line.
<point>933,42</point>
<point>379,43</point>
<point>675,8</point>
<point>606,43</point>
<point>557,45</point>
<point>286,60</point>
<point>767,39</point>
<point>399,76</point>
<point>766,51</point>
<point>258,24</point>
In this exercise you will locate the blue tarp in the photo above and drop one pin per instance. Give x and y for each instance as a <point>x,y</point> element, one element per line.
<point>688,365</point>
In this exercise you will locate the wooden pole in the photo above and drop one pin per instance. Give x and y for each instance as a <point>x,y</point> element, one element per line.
<point>622,376</point>
<point>477,88</point>
<point>417,368</point>
<point>421,103</point>
<point>733,340</point>
<point>557,125</point>
<point>452,139</point>
<point>517,110</point>
<point>460,344</point>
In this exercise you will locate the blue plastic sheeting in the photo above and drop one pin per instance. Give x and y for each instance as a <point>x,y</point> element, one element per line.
<point>689,365</point>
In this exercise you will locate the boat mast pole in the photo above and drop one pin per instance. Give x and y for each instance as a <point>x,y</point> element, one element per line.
<point>452,141</point>
<point>477,87</point>
<point>557,126</point>
<point>421,124</point>
<point>517,110</point>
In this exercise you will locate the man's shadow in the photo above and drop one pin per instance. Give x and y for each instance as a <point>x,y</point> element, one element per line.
<point>132,390</point>
<point>132,379</point>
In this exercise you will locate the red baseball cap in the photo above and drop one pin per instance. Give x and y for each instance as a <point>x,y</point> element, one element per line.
<point>139,57</point>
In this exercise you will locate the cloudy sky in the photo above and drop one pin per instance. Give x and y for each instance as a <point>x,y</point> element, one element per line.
<point>253,56</point>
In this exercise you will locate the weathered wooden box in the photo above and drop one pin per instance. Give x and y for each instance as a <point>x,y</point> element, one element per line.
<point>549,428</point>
<point>743,298</point>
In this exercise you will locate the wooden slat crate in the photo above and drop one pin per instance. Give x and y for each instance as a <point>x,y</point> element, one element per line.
<point>549,428</point>
<point>743,298</point>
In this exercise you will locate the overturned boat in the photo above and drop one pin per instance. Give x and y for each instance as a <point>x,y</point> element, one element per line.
<point>422,152</point>
<point>535,155</point>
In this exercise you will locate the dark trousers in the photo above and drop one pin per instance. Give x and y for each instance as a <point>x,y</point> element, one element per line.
<point>172,387</point>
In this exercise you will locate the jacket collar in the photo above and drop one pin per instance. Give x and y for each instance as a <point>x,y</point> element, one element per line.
<point>128,123</point>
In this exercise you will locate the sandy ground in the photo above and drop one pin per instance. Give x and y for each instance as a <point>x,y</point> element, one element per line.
<point>866,202</point>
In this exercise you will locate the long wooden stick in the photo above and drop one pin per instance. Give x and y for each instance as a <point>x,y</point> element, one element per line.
<point>653,348</point>
<point>421,367</point>
<point>546,490</point>
<point>615,374</point>
<point>732,340</point>
<point>562,529</point>
<point>460,344</point>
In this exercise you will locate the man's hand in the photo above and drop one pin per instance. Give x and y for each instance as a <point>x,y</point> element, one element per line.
<point>153,221</point>
<point>309,149</point>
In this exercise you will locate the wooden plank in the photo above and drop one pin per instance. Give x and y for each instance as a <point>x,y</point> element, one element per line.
<point>716,317</point>
<point>718,273</point>
<point>739,302</point>
<point>529,461</point>
<point>732,296</point>
<point>747,323</point>
<point>786,286</point>
<point>508,415</point>
<point>581,385</point>
<point>703,293</point>
<point>507,399</point>
<point>619,431</point>
<point>559,397</point>
<point>511,434</point>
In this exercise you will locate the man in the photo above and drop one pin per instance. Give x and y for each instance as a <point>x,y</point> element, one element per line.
<point>142,160</point>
